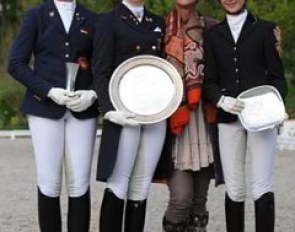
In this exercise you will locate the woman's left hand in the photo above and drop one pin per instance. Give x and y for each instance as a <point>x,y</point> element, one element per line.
<point>82,100</point>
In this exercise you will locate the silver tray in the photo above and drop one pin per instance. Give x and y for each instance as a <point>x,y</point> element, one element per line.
<point>148,86</point>
<point>264,108</point>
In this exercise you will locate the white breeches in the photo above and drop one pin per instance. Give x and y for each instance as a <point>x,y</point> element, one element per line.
<point>138,155</point>
<point>235,142</point>
<point>67,142</point>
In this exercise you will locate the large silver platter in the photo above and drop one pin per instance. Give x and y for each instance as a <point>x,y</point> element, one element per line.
<point>264,108</point>
<point>148,86</point>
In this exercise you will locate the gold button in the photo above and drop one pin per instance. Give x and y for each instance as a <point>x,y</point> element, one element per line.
<point>154,47</point>
<point>137,47</point>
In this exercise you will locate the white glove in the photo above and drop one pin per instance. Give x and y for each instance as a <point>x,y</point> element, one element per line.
<point>121,118</point>
<point>59,96</point>
<point>231,105</point>
<point>81,100</point>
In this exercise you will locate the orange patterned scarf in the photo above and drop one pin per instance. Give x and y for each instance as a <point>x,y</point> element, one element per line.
<point>184,49</point>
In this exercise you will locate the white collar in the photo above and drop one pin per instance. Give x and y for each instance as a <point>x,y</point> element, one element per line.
<point>65,5</point>
<point>236,20</point>
<point>134,9</point>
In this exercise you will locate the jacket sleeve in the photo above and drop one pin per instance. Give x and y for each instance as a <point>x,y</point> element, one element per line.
<point>103,59</point>
<point>273,62</point>
<point>21,53</point>
<point>211,91</point>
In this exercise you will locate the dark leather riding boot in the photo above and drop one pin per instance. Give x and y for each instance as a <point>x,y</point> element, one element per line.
<point>235,215</point>
<point>135,216</point>
<point>169,226</point>
<point>265,213</point>
<point>111,213</point>
<point>49,213</point>
<point>198,222</point>
<point>79,213</point>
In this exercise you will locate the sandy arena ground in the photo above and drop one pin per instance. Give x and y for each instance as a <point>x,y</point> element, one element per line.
<point>18,194</point>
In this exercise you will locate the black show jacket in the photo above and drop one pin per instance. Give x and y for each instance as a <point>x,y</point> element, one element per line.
<point>232,68</point>
<point>120,36</point>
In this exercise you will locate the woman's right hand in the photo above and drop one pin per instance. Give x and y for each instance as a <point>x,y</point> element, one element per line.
<point>59,96</point>
<point>121,118</point>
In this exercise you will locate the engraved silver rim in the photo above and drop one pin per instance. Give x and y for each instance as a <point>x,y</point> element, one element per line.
<point>153,61</point>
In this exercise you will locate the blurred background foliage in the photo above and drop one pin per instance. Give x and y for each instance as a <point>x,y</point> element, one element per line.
<point>11,12</point>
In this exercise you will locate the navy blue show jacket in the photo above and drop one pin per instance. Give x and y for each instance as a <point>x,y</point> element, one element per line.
<point>43,37</point>
<point>120,36</point>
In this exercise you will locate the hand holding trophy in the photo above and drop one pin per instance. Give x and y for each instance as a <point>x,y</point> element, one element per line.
<point>79,100</point>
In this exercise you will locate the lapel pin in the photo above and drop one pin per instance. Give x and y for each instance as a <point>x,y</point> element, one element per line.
<point>84,31</point>
<point>51,13</point>
<point>148,19</point>
<point>157,29</point>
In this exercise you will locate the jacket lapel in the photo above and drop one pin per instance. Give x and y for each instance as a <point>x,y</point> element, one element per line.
<point>78,19</point>
<point>224,30</point>
<point>127,16</point>
<point>247,28</point>
<point>54,17</point>
<point>148,21</point>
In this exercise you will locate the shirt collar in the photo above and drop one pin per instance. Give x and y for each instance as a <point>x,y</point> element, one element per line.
<point>136,10</point>
<point>237,19</point>
<point>65,5</point>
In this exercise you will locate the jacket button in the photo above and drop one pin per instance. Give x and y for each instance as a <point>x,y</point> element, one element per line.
<point>237,81</point>
<point>154,48</point>
<point>234,48</point>
<point>67,55</point>
<point>37,97</point>
<point>235,59</point>
<point>137,47</point>
<point>237,70</point>
<point>67,44</point>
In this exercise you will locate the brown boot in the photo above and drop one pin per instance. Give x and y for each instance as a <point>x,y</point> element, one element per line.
<point>198,222</point>
<point>169,226</point>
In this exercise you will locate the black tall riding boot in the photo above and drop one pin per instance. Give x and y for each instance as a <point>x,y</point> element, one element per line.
<point>135,216</point>
<point>79,213</point>
<point>234,213</point>
<point>169,226</point>
<point>265,213</point>
<point>49,213</point>
<point>111,213</point>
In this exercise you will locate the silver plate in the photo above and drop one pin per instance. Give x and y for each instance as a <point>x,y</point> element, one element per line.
<point>264,108</point>
<point>148,86</point>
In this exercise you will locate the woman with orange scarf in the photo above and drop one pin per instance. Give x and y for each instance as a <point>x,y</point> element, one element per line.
<point>191,123</point>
